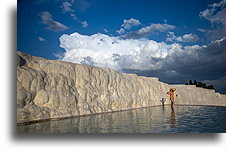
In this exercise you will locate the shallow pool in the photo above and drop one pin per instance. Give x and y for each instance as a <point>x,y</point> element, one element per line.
<point>158,119</point>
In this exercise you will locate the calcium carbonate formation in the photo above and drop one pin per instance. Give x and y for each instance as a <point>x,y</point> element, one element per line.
<point>48,89</point>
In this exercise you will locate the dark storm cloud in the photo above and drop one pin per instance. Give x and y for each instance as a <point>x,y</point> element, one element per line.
<point>206,63</point>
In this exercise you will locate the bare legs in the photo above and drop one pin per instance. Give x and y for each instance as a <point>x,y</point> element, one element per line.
<point>172,101</point>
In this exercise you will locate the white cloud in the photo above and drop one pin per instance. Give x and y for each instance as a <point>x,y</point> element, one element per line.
<point>218,41</point>
<point>216,12</point>
<point>84,24</point>
<point>53,25</point>
<point>127,24</point>
<point>155,27</point>
<point>194,47</point>
<point>105,30</point>
<point>169,62</point>
<point>185,38</point>
<point>201,30</point>
<point>66,6</point>
<point>219,17</point>
<point>206,13</point>
<point>190,38</point>
<point>121,31</point>
<point>145,31</point>
<point>73,16</point>
<point>220,4</point>
<point>41,39</point>
<point>113,52</point>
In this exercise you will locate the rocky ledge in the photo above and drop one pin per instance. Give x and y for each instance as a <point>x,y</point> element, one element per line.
<point>48,89</point>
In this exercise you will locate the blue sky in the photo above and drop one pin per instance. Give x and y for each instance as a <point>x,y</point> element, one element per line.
<point>100,15</point>
<point>174,40</point>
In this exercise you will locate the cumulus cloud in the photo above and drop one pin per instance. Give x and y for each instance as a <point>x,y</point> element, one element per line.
<point>172,63</point>
<point>185,38</point>
<point>113,52</point>
<point>127,24</point>
<point>215,14</point>
<point>46,18</point>
<point>41,39</point>
<point>146,31</point>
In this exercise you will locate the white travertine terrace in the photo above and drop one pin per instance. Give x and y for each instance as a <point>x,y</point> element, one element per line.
<point>48,89</point>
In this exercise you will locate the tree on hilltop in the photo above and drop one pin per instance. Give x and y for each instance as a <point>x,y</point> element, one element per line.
<point>200,84</point>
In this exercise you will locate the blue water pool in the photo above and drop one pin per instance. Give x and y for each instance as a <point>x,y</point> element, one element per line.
<point>158,119</point>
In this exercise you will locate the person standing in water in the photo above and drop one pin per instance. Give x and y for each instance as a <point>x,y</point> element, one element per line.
<point>171,94</point>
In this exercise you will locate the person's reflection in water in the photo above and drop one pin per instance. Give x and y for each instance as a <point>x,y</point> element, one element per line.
<point>163,108</point>
<point>173,117</point>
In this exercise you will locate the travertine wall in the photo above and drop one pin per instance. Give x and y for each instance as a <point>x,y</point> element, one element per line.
<point>55,89</point>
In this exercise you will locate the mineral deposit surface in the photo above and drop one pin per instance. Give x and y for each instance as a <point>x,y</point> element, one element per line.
<point>48,89</point>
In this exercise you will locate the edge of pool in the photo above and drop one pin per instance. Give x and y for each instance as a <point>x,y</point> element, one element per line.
<point>62,118</point>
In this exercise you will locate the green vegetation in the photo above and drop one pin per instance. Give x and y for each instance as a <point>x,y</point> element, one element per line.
<point>200,84</point>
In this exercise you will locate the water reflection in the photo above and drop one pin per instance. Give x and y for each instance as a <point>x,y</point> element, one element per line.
<point>173,117</point>
<point>160,119</point>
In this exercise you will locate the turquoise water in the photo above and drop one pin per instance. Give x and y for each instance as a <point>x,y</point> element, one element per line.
<point>158,119</point>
